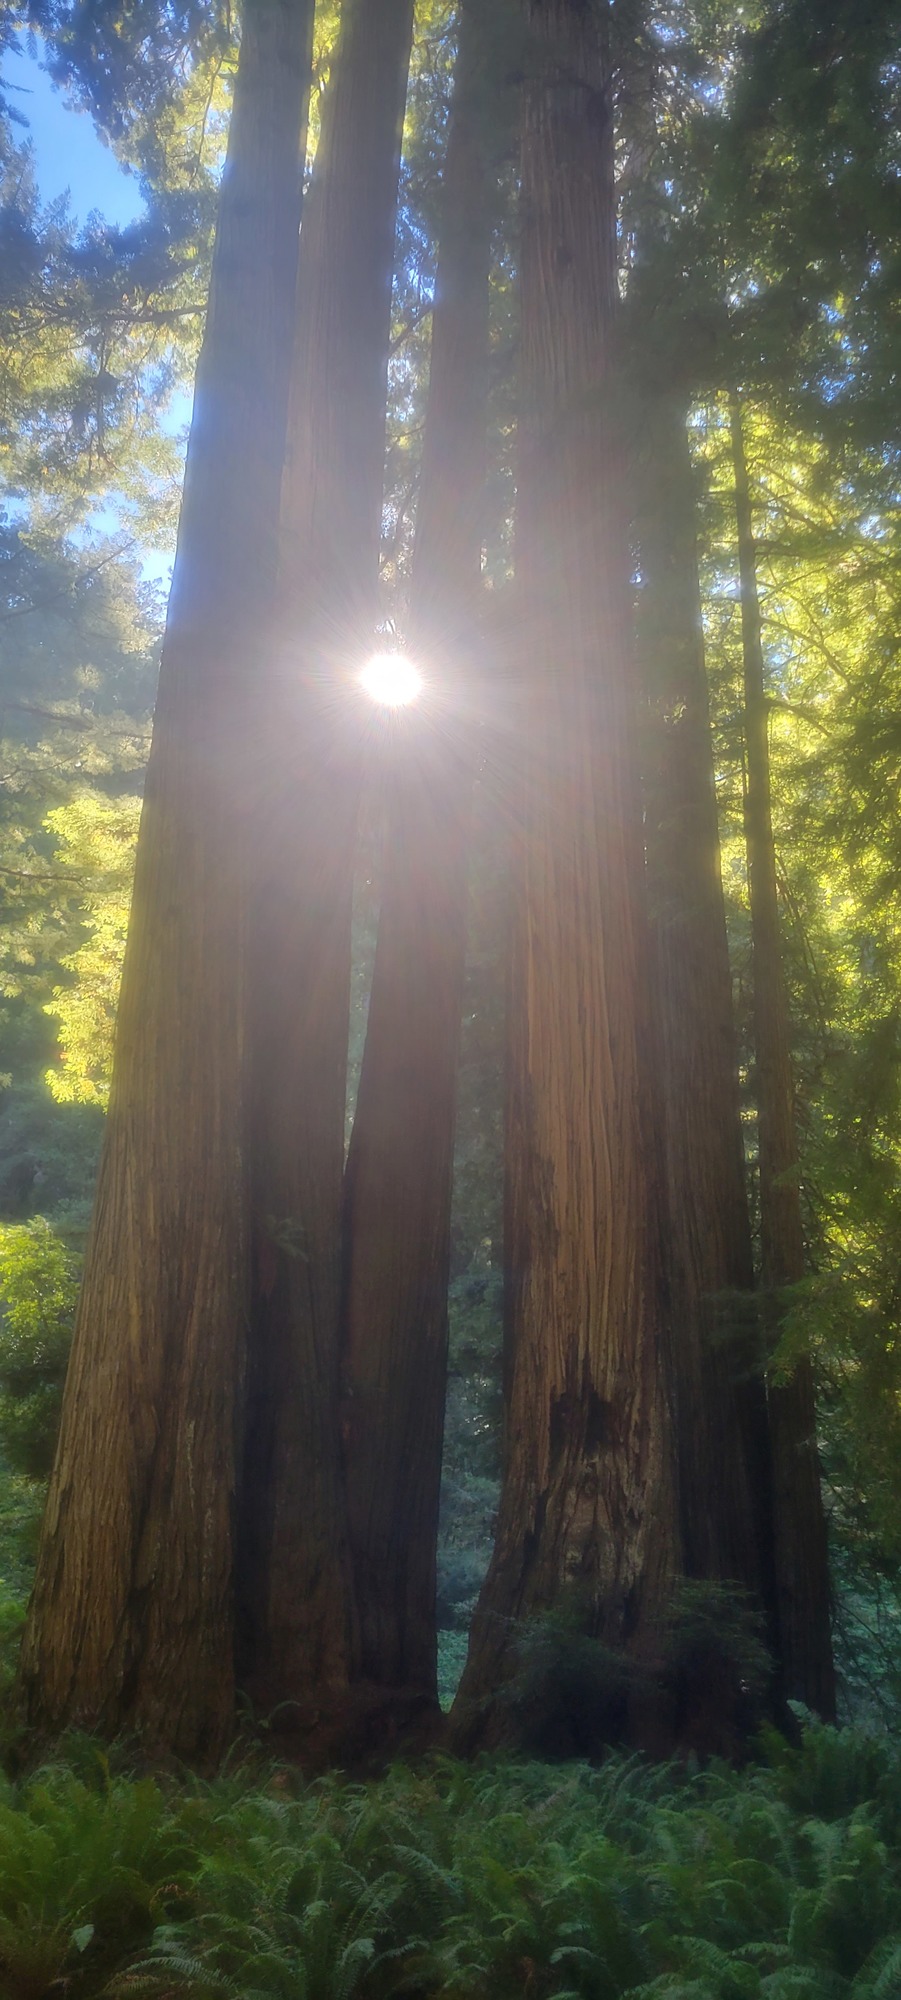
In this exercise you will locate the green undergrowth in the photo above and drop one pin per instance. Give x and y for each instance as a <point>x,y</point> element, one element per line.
<point>471,1882</point>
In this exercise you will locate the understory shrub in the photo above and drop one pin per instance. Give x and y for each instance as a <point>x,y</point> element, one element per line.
<point>39,1277</point>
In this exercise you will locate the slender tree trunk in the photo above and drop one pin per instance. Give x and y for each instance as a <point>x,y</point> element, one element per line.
<point>400,1166</point>
<point>802,1555</point>
<point>587,1497</point>
<point>718,1389</point>
<point>131,1622</point>
<point>296,1597</point>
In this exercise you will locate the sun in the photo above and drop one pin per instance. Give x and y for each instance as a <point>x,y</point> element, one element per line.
<point>391,679</point>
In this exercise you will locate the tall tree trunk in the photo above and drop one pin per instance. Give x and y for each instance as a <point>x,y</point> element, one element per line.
<point>400,1166</point>
<point>802,1555</point>
<point>587,1497</point>
<point>131,1622</point>
<point>296,1596</point>
<point>718,1390</point>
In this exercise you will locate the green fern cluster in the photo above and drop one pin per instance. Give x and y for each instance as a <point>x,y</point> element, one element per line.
<point>484,1882</point>
<point>89,1866</point>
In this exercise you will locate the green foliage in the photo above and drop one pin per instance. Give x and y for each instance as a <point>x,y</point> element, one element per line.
<point>86,1872</point>
<point>91,347</point>
<point>125,64</point>
<point>48,1159</point>
<point>826,517</point>
<point>483,1882</point>
<point>717,1620</point>
<point>452,1648</point>
<point>316,1918</point>
<point>39,1276</point>
<point>12,1616</point>
<point>97,840</point>
<point>21,1507</point>
<point>571,1694</point>
<point>77,644</point>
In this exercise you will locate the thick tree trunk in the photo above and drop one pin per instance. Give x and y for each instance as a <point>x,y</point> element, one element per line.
<point>587,1498</point>
<point>296,1598</point>
<point>400,1166</point>
<point>131,1622</point>
<point>802,1555</point>
<point>717,1385</point>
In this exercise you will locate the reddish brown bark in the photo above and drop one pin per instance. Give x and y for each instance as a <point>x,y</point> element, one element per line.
<point>587,1498</point>
<point>131,1622</point>
<point>400,1164</point>
<point>297,1607</point>
<point>718,1390</point>
<point>801,1544</point>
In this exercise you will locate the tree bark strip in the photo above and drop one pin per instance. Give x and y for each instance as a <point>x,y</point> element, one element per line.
<point>587,1498</point>
<point>400,1165</point>
<point>802,1555</point>
<point>131,1622</point>
<point>718,1389</point>
<point>297,1607</point>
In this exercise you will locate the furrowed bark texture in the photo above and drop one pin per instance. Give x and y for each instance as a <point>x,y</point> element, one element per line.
<point>131,1622</point>
<point>587,1497</point>
<point>718,1390</point>
<point>400,1165</point>
<point>297,1612</point>
<point>801,1545</point>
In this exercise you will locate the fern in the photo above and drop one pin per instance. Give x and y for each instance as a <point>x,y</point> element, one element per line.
<point>84,1875</point>
<point>880,1977</point>
<point>489,1881</point>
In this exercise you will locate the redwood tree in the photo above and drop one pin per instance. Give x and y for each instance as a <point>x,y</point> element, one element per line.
<point>587,1497</point>
<point>131,1622</point>
<point>298,1643</point>
<point>801,1546</point>
<point>717,1383</point>
<point>400,1164</point>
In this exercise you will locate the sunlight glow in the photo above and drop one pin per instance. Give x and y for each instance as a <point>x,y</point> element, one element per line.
<point>391,679</point>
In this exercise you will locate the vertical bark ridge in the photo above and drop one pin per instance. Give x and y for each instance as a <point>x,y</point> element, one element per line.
<point>131,1621</point>
<point>801,1543</point>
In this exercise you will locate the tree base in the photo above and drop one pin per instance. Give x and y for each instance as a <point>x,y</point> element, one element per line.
<point>358,1730</point>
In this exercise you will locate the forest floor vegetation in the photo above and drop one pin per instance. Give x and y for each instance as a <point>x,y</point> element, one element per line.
<point>560,1882</point>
